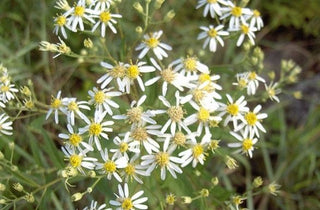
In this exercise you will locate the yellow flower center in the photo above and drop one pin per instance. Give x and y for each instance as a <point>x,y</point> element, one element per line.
<point>127,204</point>
<point>73,106</point>
<point>271,92</point>
<point>110,166</point>
<point>134,114</point>
<point>162,159</point>
<point>244,29</point>
<point>105,16</point>
<point>212,1</point>
<point>168,75</point>
<point>75,160</point>
<point>233,109</point>
<point>251,118</point>
<point>252,75</point>
<point>175,113</point>
<point>56,103</point>
<point>197,150</point>
<point>99,97</point>
<point>237,200</point>
<point>204,77</point>
<point>152,42</point>
<point>95,129</point>
<point>4,88</point>
<point>123,147</point>
<point>79,11</point>
<point>247,144</point>
<point>242,83</point>
<point>256,13</point>
<point>203,114</point>
<point>170,199</point>
<point>75,139</point>
<point>139,134</point>
<point>212,33</point>
<point>198,95</point>
<point>130,169</point>
<point>190,64</point>
<point>179,138</point>
<point>133,71</point>
<point>236,11</point>
<point>118,71</point>
<point>61,20</point>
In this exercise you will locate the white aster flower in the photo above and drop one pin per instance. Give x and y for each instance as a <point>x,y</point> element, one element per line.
<point>106,19</point>
<point>175,114</point>
<point>247,142</point>
<point>251,121</point>
<point>169,76</point>
<point>94,206</point>
<point>234,110</point>
<point>5,127</point>
<point>56,105</point>
<point>78,160</point>
<point>164,160</point>
<point>253,82</point>
<point>237,14</point>
<point>151,42</point>
<point>178,139</point>
<point>63,5</point>
<point>209,84</point>
<point>125,202</point>
<point>123,146</point>
<point>272,91</point>
<point>101,5</point>
<point>242,80</point>
<point>212,6</point>
<point>189,66</point>
<point>97,128</point>
<point>116,72</point>
<point>77,14</point>
<point>111,166</point>
<point>212,36</point>
<point>135,115</point>
<point>133,73</point>
<point>7,91</point>
<point>133,170</point>
<point>75,140</point>
<point>256,19</point>
<point>73,107</point>
<point>246,30</point>
<point>60,23</point>
<point>102,99</point>
<point>196,151</point>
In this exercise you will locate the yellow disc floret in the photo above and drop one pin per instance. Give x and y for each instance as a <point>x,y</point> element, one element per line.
<point>236,11</point>
<point>99,97</point>
<point>56,103</point>
<point>73,106</point>
<point>256,13</point>
<point>190,64</point>
<point>212,33</point>
<point>175,113</point>
<point>118,71</point>
<point>212,1</point>
<point>127,204</point>
<point>123,147</point>
<point>105,16</point>
<point>197,150</point>
<point>204,77</point>
<point>133,71</point>
<point>244,29</point>
<point>251,118</point>
<point>233,109</point>
<point>203,114</point>
<point>75,139</point>
<point>252,75</point>
<point>95,129</point>
<point>179,138</point>
<point>110,166</point>
<point>61,20</point>
<point>162,159</point>
<point>75,160</point>
<point>130,169</point>
<point>152,42</point>
<point>168,75</point>
<point>139,134</point>
<point>79,11</point>
<point>134,114</point>
<point>247,144</point>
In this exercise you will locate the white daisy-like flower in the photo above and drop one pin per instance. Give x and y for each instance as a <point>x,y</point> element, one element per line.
<point>135,115</point>
<point>101,5</point>
<point>175,114</point>
<point>106,19</point>
<point>126,202</point>
<point>75,141</point>
<point>234,110</point>
<point>212,36</point>
<point>60,23</point>
<point>102,99</point>
<point>63,5</point>
<point>164,160</point>
<point>209,84</point>
<point>251,121</point>
<point>246,30</point>
<point>73,107</point>
<point>56,105</point>
<point>247,142</point>
<point>77,13</point>
<point>151,42</point>
<point>242,80</point>
<point>134,170</point>
<point>178,139</point>
<point>253,82</point>
<point>189,66</point>
<point>212,6</point>
<point>97,128</point>
<point>133,73</point>
<point>203,117</point>
<point>196,151</point>
<point>5,127</point>
<point>169,76</point>
<point>272,91</point>
<point>238,14</point>
<point>7,91</point>
<point>111,166</point>
<point>78,160</point>
<point>143,135</point>
<point>94,206</point>
<point>116,72</point>
<point>123,146</point>
<point>256,19</point>
<point>60,48</point>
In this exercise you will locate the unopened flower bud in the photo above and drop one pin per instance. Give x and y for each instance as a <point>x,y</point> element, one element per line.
<point>18,187</point>
<point>14,168</point>
<point>11,145</point>
<point>76,196</point>
<point>139,29</point>
<point>1,155</point>
<point>204,192</point>
<point>186,199</point>
<point>215,181</point>
<point>29,198</point>
<point>231,162</point>
<point>92,174</point>
<point>170,199</point>
<point>158,4</point>
<point>2,187</point>
<point>257,182</point>
<point>169,16</point>
<point>138,7</point>
<point>2,201</point>
<point>88,43</point>
<point>89,190</point>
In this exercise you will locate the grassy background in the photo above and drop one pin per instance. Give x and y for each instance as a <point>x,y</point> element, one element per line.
<point>289,153</point>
